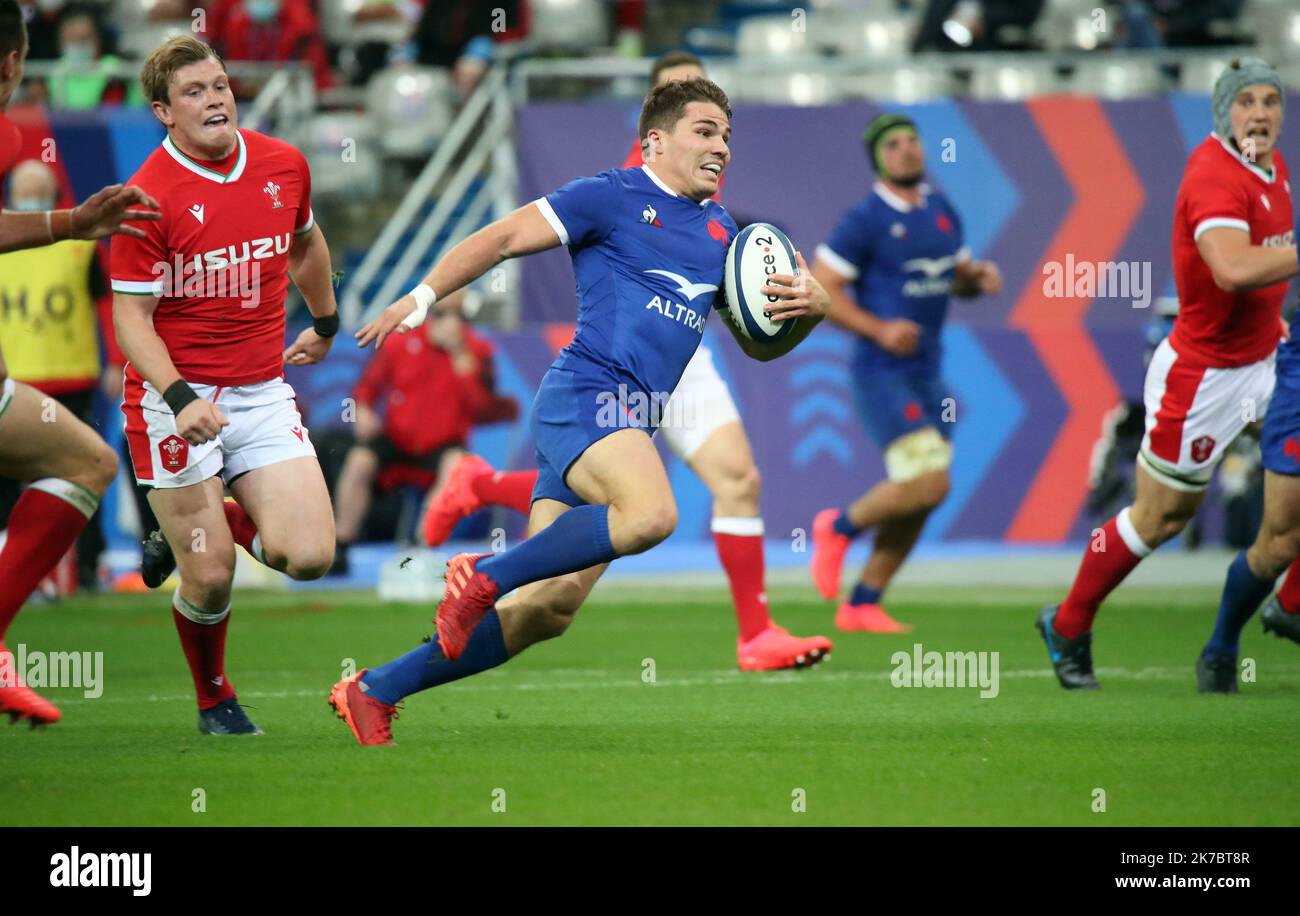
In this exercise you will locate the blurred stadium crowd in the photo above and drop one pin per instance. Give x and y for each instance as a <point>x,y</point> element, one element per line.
<point>345,43</point>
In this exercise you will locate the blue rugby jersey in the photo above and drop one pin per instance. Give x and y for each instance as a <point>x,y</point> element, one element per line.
<point>649,264</point>
<point>901,260</point>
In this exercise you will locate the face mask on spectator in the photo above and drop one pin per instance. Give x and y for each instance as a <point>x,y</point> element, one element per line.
<point>31,204</point>
<point>262,10</point>
<point>79,52</point>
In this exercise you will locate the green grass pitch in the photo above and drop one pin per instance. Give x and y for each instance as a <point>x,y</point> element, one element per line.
<point>571,732</point>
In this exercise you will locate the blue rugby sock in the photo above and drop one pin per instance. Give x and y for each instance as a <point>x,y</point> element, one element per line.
<point>844,526</point>
<point>426,667</point>
<point>1243,593</point>
<point>865,594</point>
<point>576,540</point>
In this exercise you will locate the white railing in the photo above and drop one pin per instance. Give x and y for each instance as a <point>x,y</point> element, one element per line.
<point>488,111</point>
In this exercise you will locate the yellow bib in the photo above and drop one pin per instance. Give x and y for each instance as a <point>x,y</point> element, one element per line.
<point>48,321</point>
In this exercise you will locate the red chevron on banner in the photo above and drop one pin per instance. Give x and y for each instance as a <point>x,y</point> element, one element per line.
<point>559,334</point>
<point>1107,199</point>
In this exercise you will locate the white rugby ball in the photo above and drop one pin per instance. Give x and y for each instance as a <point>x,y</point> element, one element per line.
<point>757,252</point>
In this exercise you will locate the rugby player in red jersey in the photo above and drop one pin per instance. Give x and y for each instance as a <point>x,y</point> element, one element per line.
<point>66,466</point>
<point>199,310</point>
<point>1233,252</point>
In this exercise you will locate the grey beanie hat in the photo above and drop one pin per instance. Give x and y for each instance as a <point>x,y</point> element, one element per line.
<point>1242,72</point>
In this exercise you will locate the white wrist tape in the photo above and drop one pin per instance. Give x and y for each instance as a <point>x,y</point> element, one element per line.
<point>424,297</point>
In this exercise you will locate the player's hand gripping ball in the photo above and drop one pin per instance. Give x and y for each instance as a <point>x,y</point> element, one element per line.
<point>759,253</point>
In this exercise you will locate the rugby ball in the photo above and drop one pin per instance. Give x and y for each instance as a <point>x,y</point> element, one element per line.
<point>757,252</point>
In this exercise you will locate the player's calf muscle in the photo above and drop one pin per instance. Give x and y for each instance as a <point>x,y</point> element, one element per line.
<point>638,527</point>
<point>1273,552</point>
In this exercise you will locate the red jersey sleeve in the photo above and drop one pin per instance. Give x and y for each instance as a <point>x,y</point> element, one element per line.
<point>306,219</point>
<point>1214,203</point>
<point>136,266</point>
<point>11,144</point>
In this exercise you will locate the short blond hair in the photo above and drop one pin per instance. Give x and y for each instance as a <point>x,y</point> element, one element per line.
<point>163,62</point>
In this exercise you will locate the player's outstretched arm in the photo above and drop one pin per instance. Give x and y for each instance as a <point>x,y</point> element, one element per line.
<point>313,274</point>
<point>899,336</point>
<point>104,213</point>
<point>197,420</point>
<point>976,278</point>
<point>1239,266</point>
<point>802,297</point>
<point>524,231</point>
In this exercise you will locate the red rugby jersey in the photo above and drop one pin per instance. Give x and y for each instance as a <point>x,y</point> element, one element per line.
<point>1215,328</point>
<point>426,404</point>
<point>219,257</point>
<point>11,143</point>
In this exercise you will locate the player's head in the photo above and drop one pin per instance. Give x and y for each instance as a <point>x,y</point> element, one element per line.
<point>676,65</point>
<point>13,48</point>
<point>685,127</point>
<point>894,148</point>
<point>189,91</point>
<point>32,186</point>
<point>1248,102</point>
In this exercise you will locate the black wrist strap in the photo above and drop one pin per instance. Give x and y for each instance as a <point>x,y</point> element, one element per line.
<point>326,326</point>
<point>179,394</point>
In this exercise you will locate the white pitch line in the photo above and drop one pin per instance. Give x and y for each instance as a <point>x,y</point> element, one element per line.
<point>710,679</point>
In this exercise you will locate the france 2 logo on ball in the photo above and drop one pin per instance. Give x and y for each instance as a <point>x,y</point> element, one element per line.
<point>758,251</point>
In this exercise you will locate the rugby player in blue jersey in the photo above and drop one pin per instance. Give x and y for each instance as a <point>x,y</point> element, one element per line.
<point>890,268</point>
<point>648,248</point>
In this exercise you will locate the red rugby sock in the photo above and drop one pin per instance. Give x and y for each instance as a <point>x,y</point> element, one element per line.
<point>512,489</point>
<point>204,645</point>
<point>740,548</point>
<point>1289,593</point>
<point>42,526</point>
<point>1106,562</point>
<point>241,526</point>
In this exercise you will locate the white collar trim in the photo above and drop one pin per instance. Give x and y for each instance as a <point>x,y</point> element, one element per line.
<point>897,202</point>
<point>663,187</point>
<point>203,171</point>
<point>1267,176</point>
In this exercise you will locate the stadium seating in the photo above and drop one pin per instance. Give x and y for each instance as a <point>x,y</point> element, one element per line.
<point>1117,79</point>
<point>1198,74</point>
<point>411,107</point>
<point>1072,25</point>
<point>907,85</point>
<point>344,155</point>
<point>768,36</point>
<point>997,79</point>
<point>875,34</point>
<point>569,25</point>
